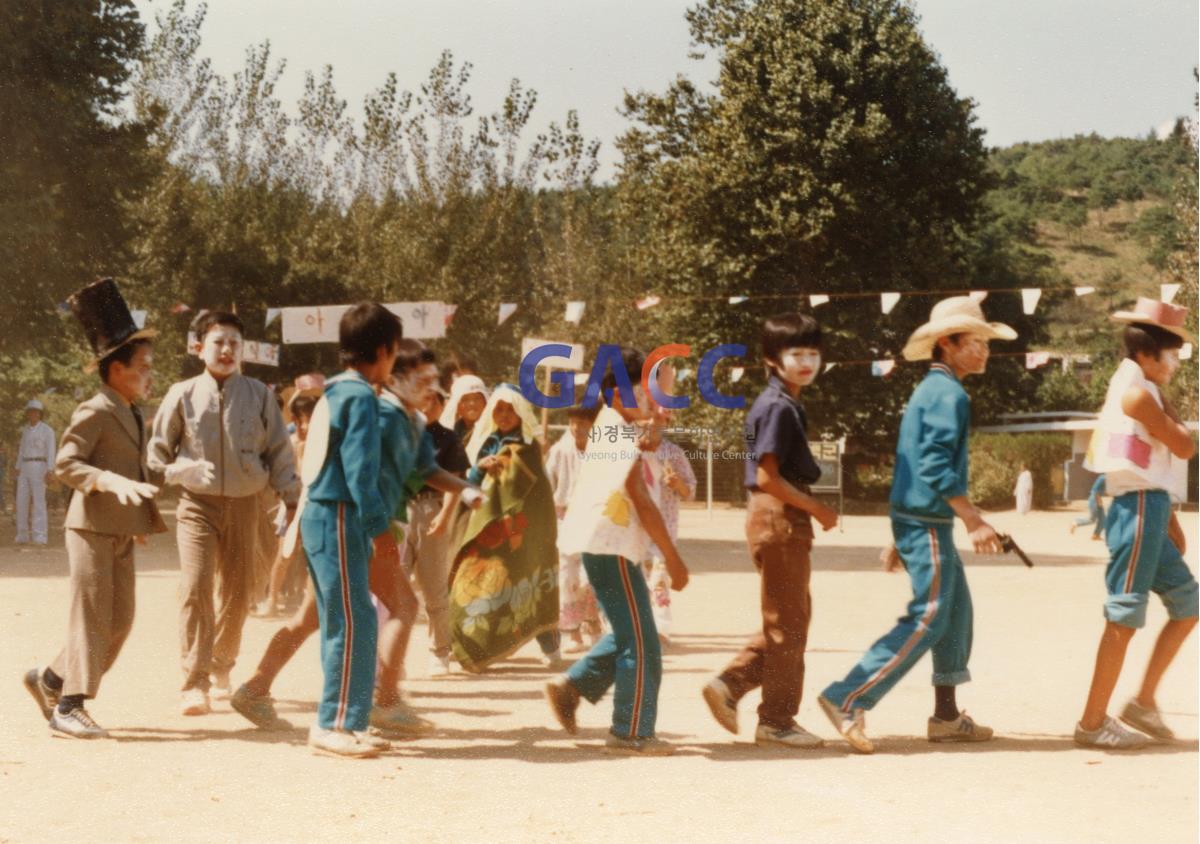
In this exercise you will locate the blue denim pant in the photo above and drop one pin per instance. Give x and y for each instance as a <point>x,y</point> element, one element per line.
<point>939,619</point>
<point>629,656</point>
<point>1143,560</point>
<point>339,554</point>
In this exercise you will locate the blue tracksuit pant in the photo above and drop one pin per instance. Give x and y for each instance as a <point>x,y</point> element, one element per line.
<point>939,619</point>
<point>630,656</point>
<point>339,553</point>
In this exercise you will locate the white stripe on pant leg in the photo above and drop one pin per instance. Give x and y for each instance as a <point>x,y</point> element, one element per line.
<point>640,656</point>
<point>343,574</point>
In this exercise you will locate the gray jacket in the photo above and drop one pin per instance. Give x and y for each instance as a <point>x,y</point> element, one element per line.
<point>236,426</point>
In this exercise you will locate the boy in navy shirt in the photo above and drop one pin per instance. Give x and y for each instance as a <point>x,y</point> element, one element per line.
<point>779,532</point>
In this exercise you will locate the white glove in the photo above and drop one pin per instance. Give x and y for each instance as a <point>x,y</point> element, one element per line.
<point>187,471</point>
<point>472,497</point>
<point>127,490</point>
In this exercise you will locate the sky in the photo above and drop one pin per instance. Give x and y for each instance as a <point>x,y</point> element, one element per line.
<point>1037,69</point>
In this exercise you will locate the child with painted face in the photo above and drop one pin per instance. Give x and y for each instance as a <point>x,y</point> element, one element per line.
<point>1137,437</point>
<point>221,436</point>
<point>612,518</point>
<point>780,535</point>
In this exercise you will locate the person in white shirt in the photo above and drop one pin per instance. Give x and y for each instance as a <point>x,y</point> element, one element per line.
<point>35,467</point>
<point>1024,490</point>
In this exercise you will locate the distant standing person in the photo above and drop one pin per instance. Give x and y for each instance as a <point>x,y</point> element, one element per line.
<point>1024,490</point>
<point>1095,509</point>
<point>35,464</point>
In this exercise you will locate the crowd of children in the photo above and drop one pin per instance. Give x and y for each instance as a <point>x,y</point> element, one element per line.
<point>396,484</point>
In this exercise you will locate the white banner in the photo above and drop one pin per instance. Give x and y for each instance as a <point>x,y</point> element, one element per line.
<point>264,354</point>
<point>575,361</point>
<point>319,323</point>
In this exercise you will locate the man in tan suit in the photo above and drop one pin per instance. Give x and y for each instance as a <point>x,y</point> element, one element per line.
<point>101,458</point>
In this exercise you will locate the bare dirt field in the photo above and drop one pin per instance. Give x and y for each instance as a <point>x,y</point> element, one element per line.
<point>499,769</point>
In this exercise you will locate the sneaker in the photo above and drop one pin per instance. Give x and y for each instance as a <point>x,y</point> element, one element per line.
<point>341,743</point>
<point>398,719</point>
<point>721,703</point>
<point>793,736</point>
<point>563,698</point>
<point>1110,736</point>
<point>554,660</point>
<point>637,746</point>
<point>439,666</point>
<point>76,724</point>
<point>194,702</point>
<point>371,740</point>
<point>221,688</point>
<point>1147,719</point>
<point>259,711</point>
<point>961,728</point>
<point>851,725</point>
<point>45,697</point>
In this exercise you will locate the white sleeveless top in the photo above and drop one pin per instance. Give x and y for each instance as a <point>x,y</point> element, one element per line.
<point>600,516</point>
<point>1121,448</point>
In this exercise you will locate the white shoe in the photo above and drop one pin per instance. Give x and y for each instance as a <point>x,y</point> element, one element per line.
<point>1110,736</point>
<point>194,702</point>
<point>371,740</point>
<point>1148,720</point>
<point>341,743</point>
<point>794,736</point>
<point>852,725</point>
<point>221,688</point>
<point>721,703</point>
<point>439,666</point>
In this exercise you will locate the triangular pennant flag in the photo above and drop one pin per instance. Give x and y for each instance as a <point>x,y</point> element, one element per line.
<point>139,318</point>
<point>1185,353</point>
<point>179,308</point>
<point>448,314</point>
<point>1035,359</point>
<point>817,299</point>
<point>1029,299</point>
<point>736,300</point>
<point>1168,292</point>
<point>881,368</point>
<point>648,302</point>
<point>978,296</point>
<point>507,309</point>
<point>272,315</point>
<point>736,373</point>
<point>829,366</point>
<point>683,373</point>
<point>1083,291</point>
<point>887,301</point>
<point>574,311</point>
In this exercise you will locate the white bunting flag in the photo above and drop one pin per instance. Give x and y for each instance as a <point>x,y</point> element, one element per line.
<point>648,302</point>
<point>829,366</point>
<point>139,318</point>
<point>736,373</point>
<point>882,368</point>
<point>979,296</point>
<point>272,315</point>
<point>1035,359</point>
<point>1084,291</point>
<point>507,309</point>
<point>1029,299</point>
<point>817,299</point>
<point>1185,353</point>
<point>575,311</point>
<point>736,300</point>
<point>888,301</point>
<point>683,374</point>
<point>1168,292</point>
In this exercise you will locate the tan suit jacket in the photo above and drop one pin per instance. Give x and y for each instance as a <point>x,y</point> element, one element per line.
<point>103,436</point>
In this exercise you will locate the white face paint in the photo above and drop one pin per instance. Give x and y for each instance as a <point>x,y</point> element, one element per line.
<point>221,350</point>
<point>1170,359</point>
<point>800,366</point>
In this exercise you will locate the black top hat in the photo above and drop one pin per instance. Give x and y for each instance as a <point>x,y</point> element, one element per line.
<point>106,320</point>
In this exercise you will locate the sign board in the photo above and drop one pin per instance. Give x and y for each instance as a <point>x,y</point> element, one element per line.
<point>574,362</point>
<point>319,323</point>
<point>828,455</point>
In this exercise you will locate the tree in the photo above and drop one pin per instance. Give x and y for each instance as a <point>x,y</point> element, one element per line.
<point>832,156</point>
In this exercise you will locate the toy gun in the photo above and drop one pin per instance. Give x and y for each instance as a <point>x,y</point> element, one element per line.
<point>1009,546</point>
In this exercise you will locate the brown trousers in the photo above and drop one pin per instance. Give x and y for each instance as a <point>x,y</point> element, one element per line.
<point>780,540</point>
<point>101,613</point>
<point>218,538</point>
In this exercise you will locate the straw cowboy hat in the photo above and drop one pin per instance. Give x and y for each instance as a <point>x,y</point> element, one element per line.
<point>957,315</point>
<point>1152,312</point>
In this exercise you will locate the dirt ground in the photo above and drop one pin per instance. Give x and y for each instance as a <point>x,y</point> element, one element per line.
<point>498,768</point>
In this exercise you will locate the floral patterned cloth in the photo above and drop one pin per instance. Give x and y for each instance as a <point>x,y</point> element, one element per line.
<point>504,585</point>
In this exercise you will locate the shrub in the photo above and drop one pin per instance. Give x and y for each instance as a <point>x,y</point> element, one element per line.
<point>996,461</point>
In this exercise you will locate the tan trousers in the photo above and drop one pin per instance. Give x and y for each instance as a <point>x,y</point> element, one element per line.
<point>218,538</point>
<point>430,556</point>
<point>101,613</point>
